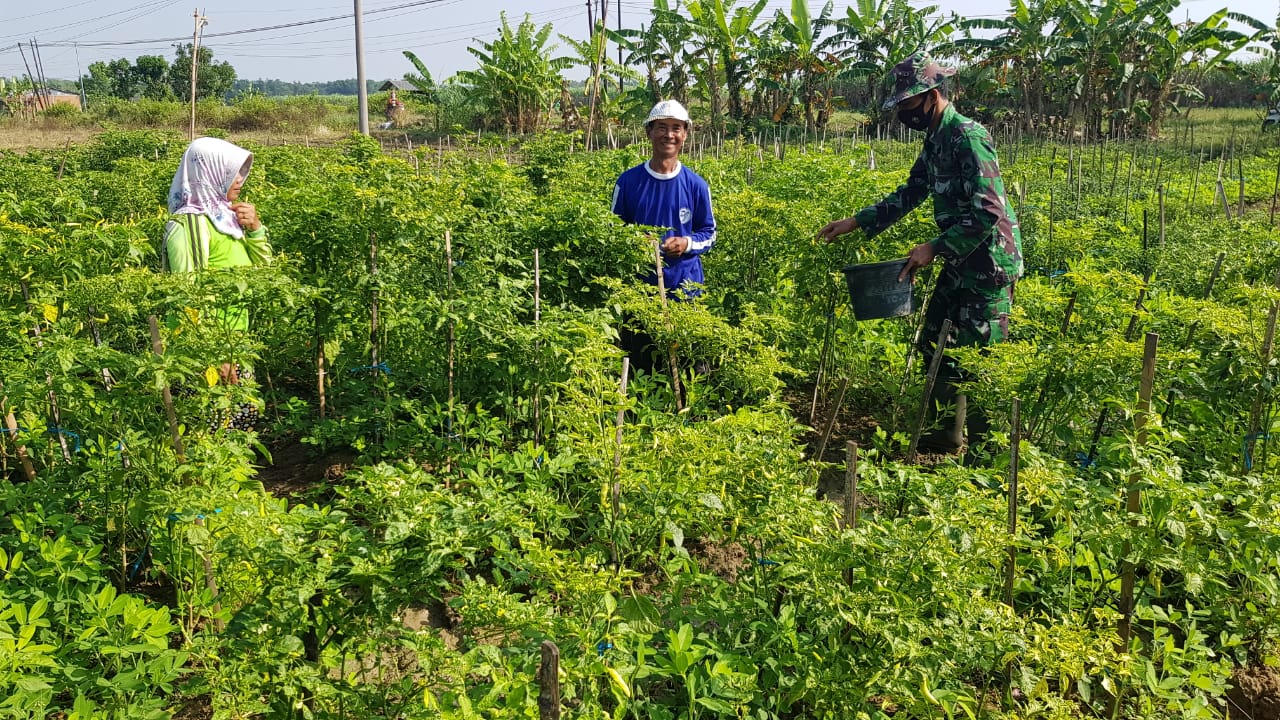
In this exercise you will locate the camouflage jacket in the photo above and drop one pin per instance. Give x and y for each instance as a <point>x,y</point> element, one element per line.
<point>980,240</point>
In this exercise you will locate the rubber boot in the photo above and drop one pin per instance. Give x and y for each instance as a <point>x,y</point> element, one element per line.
<point>949,438</point>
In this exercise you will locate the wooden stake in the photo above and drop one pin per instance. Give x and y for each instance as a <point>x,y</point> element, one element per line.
<point>1014,443</point>
<point>537,322</point>
<point>616,489</point>
<point>1275,193</point>
<point>851,485</point>
<point>831,420</point>
<point>1133,499</point>
<point>11,424</point>
<point>672,361</point>
<point>927,397</point>
<point>1255,413</point>
<point>549,682</point>
<point>157,348</point>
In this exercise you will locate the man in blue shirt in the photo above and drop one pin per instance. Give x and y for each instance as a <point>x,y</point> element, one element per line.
<point>664,193</point>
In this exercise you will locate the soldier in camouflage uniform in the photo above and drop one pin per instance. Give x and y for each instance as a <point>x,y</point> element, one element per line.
<point>980,242</point>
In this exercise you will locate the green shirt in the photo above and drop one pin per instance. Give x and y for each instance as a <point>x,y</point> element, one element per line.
<point>192,243</point>
<point>980,239</point>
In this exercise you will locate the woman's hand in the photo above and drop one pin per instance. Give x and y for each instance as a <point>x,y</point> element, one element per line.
<point>247,214</point>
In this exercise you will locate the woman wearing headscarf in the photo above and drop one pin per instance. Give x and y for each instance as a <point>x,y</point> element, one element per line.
<point>209,228</point>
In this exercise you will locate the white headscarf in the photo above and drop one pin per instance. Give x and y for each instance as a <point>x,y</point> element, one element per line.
<point>208,169</point>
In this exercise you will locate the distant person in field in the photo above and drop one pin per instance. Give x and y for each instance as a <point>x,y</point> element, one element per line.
<point>980,242</point>
<point>210,228</point>
<point>664,193</point>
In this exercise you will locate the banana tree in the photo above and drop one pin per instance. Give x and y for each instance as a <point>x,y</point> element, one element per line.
<point>517,79</point>
<point>875,35</point>
<point>1180,55</point>
<point>729,32</point>
<point>660,48</point>
<point>1023,45</point>
<point>808,54</point>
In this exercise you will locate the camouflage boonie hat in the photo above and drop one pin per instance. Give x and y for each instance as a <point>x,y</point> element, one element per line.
<point>918,73</point>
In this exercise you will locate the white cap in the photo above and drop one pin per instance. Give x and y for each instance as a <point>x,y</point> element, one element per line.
<point>668,109</point>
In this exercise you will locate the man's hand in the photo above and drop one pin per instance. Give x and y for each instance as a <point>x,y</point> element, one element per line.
<point>229,374</point>
<point>837,228</point>
<point>247,214</point>
<point>921,255</point>
<point>675,246</point>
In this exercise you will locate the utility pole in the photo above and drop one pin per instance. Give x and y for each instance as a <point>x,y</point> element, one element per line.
<point>35,89</point>
<point>591,20</point>
<point>362,92</point>
<point>84,99</point>
<point>619,48</point>
<point>200,21</point>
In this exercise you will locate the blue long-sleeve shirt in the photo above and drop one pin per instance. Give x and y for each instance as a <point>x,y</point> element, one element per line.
<point>680,203</point>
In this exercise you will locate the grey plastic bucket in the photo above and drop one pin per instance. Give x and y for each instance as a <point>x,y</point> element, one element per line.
<point>874,290</point>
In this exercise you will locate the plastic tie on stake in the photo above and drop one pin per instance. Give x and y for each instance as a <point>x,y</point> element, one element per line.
<point>767,562</point>
<point>1084,462</point>
<point>602,646</point>
<point>1244,447</point>
<point>55,430</point>
<point>381,367</point>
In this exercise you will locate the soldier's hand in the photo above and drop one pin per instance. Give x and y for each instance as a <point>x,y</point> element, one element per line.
<point>920,256</point>
<point>837,228</point>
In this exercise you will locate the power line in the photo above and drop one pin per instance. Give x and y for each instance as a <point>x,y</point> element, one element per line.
<point>281,26</point>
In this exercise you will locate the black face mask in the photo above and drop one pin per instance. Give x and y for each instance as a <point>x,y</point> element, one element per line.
<point>918,118</point>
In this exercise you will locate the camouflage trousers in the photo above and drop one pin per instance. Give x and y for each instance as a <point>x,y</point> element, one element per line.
<point>979,318</point>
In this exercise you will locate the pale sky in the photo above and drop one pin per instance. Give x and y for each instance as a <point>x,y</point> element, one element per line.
<point>319,43</point>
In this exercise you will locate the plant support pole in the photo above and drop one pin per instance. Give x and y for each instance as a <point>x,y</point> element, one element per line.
<point>666,312</point>
<point>1133,499</point>
<point>930,379</point>
<point>615,492</point>
<point>1011,561</point>
<point>157,349</point>
<point>549,682</point>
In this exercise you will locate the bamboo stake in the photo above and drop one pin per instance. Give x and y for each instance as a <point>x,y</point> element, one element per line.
<point>157,349</point>
<point>1128,336</point>
<point>1275,193</point>
<point>823,355</point>
<point>1044,387</point>
<point>1160,193</point>
<point>1195,182</point>
<point>672,361</point>
<point>373,302</point>
<point>927,398</point>
<point>448,264</point>
<point>1133,499</point>
<point>831,420</point>
<point>1240,204</point>
<point>537,322</point>
<point>1255,413</point>
<point>11,424</point>
<point>851,485</point>
<point>320,373</point>
<point>1014,443</point>
<point>211,584</point>
<point>616,489</point>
